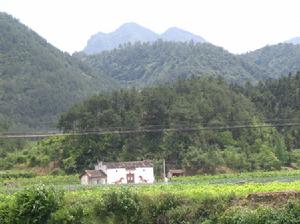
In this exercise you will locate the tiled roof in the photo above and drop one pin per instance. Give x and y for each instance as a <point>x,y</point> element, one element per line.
<point>129,165</point>
<point>176,171</point>
<point>94,173</point>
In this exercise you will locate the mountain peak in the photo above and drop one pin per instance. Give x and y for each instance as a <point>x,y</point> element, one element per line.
<point>180,35</point>
<point>133,32</point>
<point>130,25</point>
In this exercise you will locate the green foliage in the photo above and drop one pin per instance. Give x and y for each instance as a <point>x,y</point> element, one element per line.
<point>144,64</point>
<point>289,213</point>
<point>141,64</point>
<point>279,101</point>
<point>10,174</point>
<point>6,211</point>
<point>123,206</point>
<point>161,205</point>
<point>273,61</point>
<point>199,103</point>
<point>37,81</point>
<point>196,103</point>
<point>36,204</point>
<point>68,215</point>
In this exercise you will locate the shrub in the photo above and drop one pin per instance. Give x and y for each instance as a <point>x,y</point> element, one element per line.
<point>159,207</point>
<point>36,204</point>
<point>68,215</point>
<point>5,212</point>
<point>239,216</point>
<point>16,174</point>
<point>119,206</point>
<point>291,213</point>
<point>182,215</point>
<point>261,215</point>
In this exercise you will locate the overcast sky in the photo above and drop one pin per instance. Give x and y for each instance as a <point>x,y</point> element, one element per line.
<point>237,25</point>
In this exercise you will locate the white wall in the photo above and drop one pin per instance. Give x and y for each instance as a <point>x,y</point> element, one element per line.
<point>146,173</point>
<point>114,175</point>
<point>84,179</point>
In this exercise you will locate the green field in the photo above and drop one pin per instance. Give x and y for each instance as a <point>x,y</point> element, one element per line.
<point>214,193</point>
<point>240,184</point>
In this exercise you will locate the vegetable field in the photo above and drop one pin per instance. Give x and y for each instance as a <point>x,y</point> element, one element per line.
<point>204,198</point>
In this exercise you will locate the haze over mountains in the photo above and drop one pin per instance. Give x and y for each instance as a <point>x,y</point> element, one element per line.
<point>131,33</point>
<point>295,40</point>
<point>38,81</point>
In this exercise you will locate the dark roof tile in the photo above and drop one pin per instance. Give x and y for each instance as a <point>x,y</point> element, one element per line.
<point>129,165</point>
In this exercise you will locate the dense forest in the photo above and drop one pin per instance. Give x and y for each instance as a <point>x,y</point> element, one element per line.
<point>144,64</point>
<point>37,81</point>
<point>191,123</point>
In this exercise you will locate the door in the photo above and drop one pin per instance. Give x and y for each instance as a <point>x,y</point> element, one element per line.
<point>130,178</point>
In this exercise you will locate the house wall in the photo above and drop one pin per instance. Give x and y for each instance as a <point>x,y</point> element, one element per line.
<point>114,175</point>
<point>146,173</point>
<point>84,179</point>
<point>97,180</point>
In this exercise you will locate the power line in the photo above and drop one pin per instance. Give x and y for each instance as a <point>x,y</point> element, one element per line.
<point>141,130</point>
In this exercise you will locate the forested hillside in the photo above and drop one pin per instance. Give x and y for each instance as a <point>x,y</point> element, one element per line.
<point>208,104</point>
<point>275,60</point>
<point>279,101</point>
<point>37,81</point>
<point>144,64</point>
<point>202,124</point>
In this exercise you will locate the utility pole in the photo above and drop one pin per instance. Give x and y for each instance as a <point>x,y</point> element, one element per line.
<point>164,170</point>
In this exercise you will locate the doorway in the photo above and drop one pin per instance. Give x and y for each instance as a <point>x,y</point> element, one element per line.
<point>130,178</point>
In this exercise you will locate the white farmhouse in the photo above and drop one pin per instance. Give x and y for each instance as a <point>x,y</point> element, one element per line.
<point>134,172</point>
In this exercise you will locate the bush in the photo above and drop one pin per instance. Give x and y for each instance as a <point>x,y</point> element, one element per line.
<point>291,213</point>
<point>158,207</point>
<point>119,206</point>
<point>182,214</point>
<point>5,212</point>
<point>36,204</point>
<point>16,174</point>
<point>68,215</point>
<point>239,216</point>
<point>261,215</point>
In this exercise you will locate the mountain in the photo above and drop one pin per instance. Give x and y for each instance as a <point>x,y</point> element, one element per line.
<point>143,64</point>
<point>179,35</point>
<point>128,32</point>
<point>295,40</point>
<point>38,81</point>
<point>131,33</point>
<point>274,61</point>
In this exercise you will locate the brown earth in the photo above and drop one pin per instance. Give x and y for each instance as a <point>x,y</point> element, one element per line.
<point>270,198</point>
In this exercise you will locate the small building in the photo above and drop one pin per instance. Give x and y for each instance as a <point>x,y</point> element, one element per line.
<point>134,172</point>
<point>175,173</point>
<point>93,177</point>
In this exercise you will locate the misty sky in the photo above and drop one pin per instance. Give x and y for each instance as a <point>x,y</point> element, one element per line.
<point>236,25</point>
